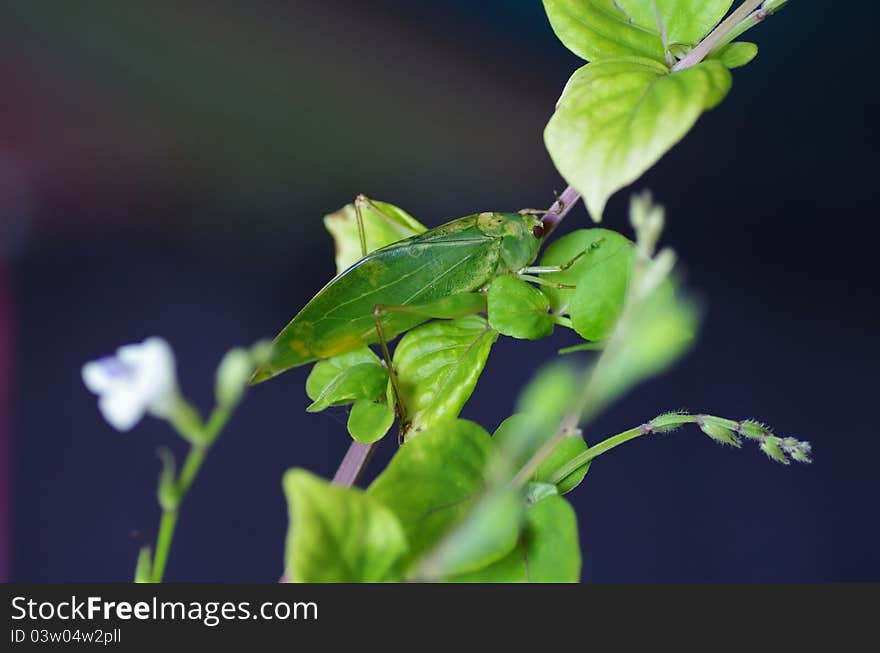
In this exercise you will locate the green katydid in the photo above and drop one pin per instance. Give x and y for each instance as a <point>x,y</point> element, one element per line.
<point>440,273</point>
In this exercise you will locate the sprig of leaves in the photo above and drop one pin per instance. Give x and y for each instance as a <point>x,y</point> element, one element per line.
<point>464,506</point>
<point>651,75</point>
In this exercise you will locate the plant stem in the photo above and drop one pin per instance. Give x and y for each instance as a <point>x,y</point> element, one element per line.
<point>354,463</point>
<point>559,209</point>
<point>579,461</point>
<point>755,18</point>
<point>163,544</point>
<point>191,466</point>
<point>358,455</point>
<point>717,35</point>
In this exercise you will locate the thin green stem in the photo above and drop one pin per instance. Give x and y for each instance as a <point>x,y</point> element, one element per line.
<point>163,544</point>
<point>720,429</point>
<point>563,321</point>
<point>593,452</point>
<point>191,466</point>
<point>216,423</point>
<point>717,35</point>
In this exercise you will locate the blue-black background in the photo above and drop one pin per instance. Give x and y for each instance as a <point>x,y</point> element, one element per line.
<point>164,170</point>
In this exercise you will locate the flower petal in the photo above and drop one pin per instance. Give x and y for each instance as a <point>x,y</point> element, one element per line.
<point>156,378</point>
<point>97,376</point>
<point>121,409</point>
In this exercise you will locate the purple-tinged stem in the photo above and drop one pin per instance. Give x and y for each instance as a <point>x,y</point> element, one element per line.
<point>704,47</point>
<point>353,464</point>
<point>559,209</point>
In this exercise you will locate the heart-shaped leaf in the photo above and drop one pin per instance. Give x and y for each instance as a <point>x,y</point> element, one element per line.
<point>437,366</point>
<point>433,481</point>
<point>491,526</point>
<point>323,372</point>
<point>736,54</point>
<point>683,21</point>
<point>617,117</point>
<point>369,420</point>
<point>361,381</point>
<point>518,310</point>
<point>339,534</point>
<point>547,550</point>
<point>597,29</point>
<point>598,245</point>
<point>601,289</point>
<point>569,448</point>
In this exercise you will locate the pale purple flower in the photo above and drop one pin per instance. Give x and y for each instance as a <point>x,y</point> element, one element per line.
<point>139,379</point>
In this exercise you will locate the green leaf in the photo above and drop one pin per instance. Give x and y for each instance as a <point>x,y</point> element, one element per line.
<point>617,117</point>
<point>547,551</point>
<point>346,378</point>
<point>383,224</point>
<point>437,366</point>
<point>143,572</point>
<point>598,244</point>
<point>568,449</point>
<point>433,481</point>
<point>338,534</point>
<point>736,54</point>
<point>600,294</point>
<point>364,381</point>
<point>369,420</point>
<point>518,310</point>
<point>598,29</point>
<point>492,526</point>
<point>323,372</point>
<point>685,21</point>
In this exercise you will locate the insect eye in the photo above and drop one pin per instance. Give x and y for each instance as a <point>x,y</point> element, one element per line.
<point>538,231</point>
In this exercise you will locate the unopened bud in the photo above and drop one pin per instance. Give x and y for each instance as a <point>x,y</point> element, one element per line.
<point>143,572</point>
<point>167,493</point>
<point>770,446</point>
<point>753,430</point>
<point>232,376</point>
<point>719,433</point>
<point>797,450</point>
<point>667,422</point>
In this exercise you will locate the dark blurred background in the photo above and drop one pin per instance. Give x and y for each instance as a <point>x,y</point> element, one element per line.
<point>164,168</point>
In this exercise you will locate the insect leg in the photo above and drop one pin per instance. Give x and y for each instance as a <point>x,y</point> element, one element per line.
<point>378,311</point>
<point>364,201</point>
<point>544,269</point>
<point>545,282</point>
<point>360,199</point>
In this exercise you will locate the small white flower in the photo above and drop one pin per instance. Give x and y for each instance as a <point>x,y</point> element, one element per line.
<point>139,379</point>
